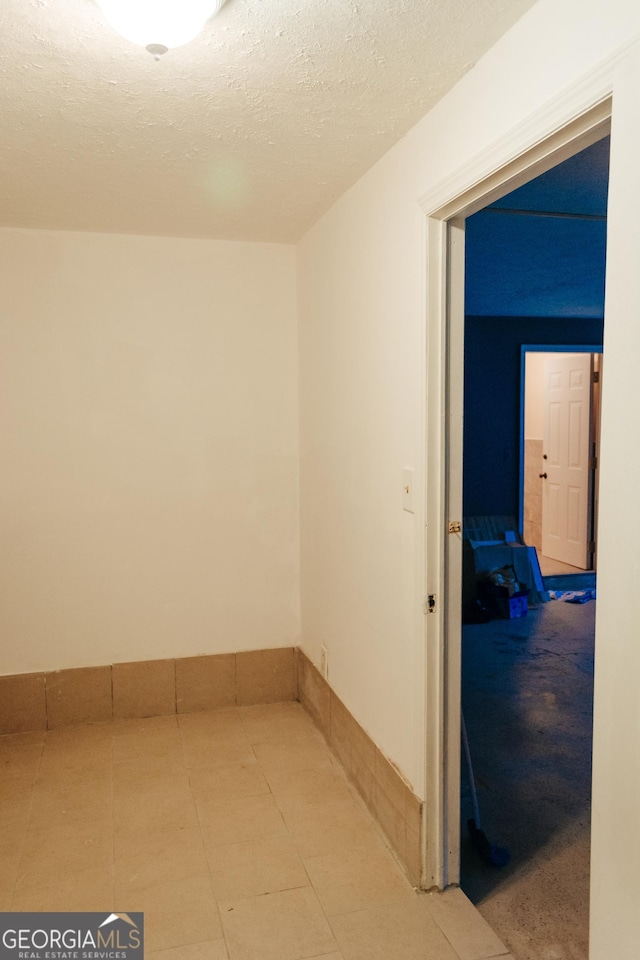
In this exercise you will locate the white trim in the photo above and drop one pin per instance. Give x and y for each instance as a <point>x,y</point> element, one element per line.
<point>573,121</point>
<point>454,399</point>
<point>473,180</point>
<point>434,825</point>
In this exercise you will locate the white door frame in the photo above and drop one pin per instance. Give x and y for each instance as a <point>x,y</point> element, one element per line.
<point>572,123</point>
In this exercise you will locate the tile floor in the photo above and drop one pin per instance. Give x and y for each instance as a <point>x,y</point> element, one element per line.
<point>236,833</point>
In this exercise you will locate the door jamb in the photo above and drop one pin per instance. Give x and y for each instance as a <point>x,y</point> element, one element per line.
<point>533,149</point>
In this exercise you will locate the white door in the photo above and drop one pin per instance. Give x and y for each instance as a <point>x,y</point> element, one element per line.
<point>567,433</point>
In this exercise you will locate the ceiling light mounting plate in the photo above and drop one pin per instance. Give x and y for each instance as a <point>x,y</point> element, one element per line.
<point>159,25</point>
<point>156,50</point>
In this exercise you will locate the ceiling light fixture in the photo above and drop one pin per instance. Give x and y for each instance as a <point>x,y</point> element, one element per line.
<point>159,25</point>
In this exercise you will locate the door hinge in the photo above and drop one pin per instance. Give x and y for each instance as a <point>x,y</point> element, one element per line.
<point>596,376</point>
<point>455,526</point>
<point>430,603</point>
<point>591,546</point>
<point>593,463</point>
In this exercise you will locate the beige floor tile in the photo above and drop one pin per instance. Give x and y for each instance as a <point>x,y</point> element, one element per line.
<point>15,795</point>
<point>55,890</point>
<point>255,867</point>
<point>87,766</point>
<point>74,770</point>
<point>323,784</point>
<point>148,807</point>
<point>273,711</point>
<point>8,877</point>
<point>144,726</point>
<point>12,836</point>
<point>195,820</point>
<point>82,735</point>
<point>296,755</point>
<point>280,730</point>
<point>467,932</point>
<point>358,878</point>
<point>278,723</point>
<point>83,757</point>
<point>226,722</point>
<point>81,749</point>
<point>175,913</point>
<point>229,782</point>
<point>71,846</point>
<point>248,818</point>
<point>211,950</point>
<point>14,813</point>
<point>146,771</point>
<point>82,779</point>
<point>12,740</point>
<point>148,858</point>
<point>400,930</point>
<point>289,925</point>
<point>20,761</point>
<point>68,801</point>
<point>151,737</point>
<point>333,828</point>
<point>7,886</point>
<point>206,751</point>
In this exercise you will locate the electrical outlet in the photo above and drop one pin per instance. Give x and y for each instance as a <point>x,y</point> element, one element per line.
<point>324,662</point>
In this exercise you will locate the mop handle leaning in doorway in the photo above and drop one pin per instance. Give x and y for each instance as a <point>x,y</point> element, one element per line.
<point>495,856</point>
<point>472,782</point>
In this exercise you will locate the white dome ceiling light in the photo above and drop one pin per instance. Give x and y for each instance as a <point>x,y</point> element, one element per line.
<point>158,25</point>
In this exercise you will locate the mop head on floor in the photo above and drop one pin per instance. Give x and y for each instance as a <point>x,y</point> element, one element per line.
<point>494,856</point>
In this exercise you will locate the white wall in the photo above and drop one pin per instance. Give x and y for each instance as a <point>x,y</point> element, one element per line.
<point>534,395</point>
<point>361,337</point>
<point>615,852</point>
<point>148,424</point>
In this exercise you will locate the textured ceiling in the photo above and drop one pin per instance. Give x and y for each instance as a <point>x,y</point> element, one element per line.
<point>249,132</point>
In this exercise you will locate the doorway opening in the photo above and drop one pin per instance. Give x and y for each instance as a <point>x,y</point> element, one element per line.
<point>530,452</point>
<point>533,149</point>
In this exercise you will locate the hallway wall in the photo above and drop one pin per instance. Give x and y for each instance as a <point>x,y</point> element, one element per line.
<point>361,275</point>
<point>615,848</point>
<point>149,423</point>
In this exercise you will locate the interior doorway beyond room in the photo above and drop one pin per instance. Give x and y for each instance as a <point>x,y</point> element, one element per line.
<point>568,433</point>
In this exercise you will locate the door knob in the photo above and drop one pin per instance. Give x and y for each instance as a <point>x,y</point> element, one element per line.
<point>542,476</point>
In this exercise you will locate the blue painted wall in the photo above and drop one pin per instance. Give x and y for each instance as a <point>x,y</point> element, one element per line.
<point>534,267</point>
<point>492,402</point>
<point>531,266</point>
<point>529,280</point>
